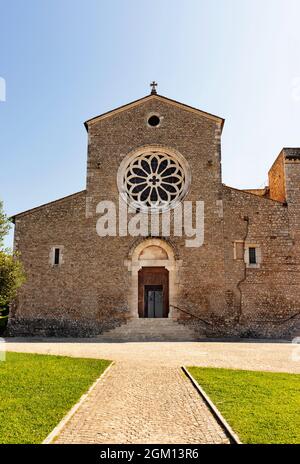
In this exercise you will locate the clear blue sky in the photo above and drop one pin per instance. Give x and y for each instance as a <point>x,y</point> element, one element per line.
<point>65,61</point>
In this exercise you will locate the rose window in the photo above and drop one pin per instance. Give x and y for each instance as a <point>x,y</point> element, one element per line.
<point>154,181</point>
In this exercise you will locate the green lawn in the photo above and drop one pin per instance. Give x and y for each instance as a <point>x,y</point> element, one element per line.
<point>261,407</point>
<point>36,392</point>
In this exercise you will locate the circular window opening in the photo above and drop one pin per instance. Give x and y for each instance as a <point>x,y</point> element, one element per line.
<point>153,121</point>
<point>153,180</point>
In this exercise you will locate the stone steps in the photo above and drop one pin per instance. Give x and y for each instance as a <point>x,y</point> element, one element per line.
<point>139,330</point>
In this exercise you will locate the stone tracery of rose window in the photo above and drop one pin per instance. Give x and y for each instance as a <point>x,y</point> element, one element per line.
<point>154,180</point>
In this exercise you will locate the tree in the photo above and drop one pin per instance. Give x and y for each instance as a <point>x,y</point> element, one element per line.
<point>11,270</point>
<point>4,225</point>
<point>11,277</point>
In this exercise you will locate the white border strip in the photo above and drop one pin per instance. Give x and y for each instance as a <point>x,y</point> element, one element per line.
<point>232,435</point>
<point>55,432</point>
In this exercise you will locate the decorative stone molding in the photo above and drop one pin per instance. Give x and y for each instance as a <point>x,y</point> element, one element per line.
<point>154,252</point>
<point>153,178</point>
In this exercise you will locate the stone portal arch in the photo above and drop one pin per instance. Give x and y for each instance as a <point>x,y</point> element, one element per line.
<point>156,253</point>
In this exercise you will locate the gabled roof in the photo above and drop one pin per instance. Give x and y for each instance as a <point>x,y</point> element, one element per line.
<point>50,203</point>
<point>154,97</point>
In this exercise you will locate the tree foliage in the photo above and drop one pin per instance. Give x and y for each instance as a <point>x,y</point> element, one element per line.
<point>11,277</point>
<point>11,270</point>
<point>4,225</point>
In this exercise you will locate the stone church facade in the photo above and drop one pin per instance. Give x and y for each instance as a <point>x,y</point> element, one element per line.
<point>243,278</point>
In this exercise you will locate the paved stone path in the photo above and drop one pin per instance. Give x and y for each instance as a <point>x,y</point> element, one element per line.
<point>143,405</point>
<point>145,398</point>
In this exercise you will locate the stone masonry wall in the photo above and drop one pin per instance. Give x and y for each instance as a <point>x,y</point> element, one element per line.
<point>266,299</point>
<point>277,179</point>
<point>67,299</point>
<point>197,138</point>
<point>89,291</point>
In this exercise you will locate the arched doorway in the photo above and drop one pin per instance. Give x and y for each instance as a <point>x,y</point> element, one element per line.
<point>153,292</point>
<point>154,269</point>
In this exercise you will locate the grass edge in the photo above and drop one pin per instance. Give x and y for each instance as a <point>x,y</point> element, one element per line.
<point>50,439</point>
<point>213,408</point>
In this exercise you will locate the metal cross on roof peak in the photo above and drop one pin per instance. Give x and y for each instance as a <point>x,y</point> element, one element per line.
<point>153,89</point>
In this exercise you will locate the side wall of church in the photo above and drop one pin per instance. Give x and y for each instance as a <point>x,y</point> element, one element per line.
<point>71,298</point>
<point>266,298</point>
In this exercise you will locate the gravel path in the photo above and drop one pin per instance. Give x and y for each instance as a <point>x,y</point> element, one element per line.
<point>277,357</point>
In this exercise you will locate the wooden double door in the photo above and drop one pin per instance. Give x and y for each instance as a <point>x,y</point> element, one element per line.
<point>153,292</point>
